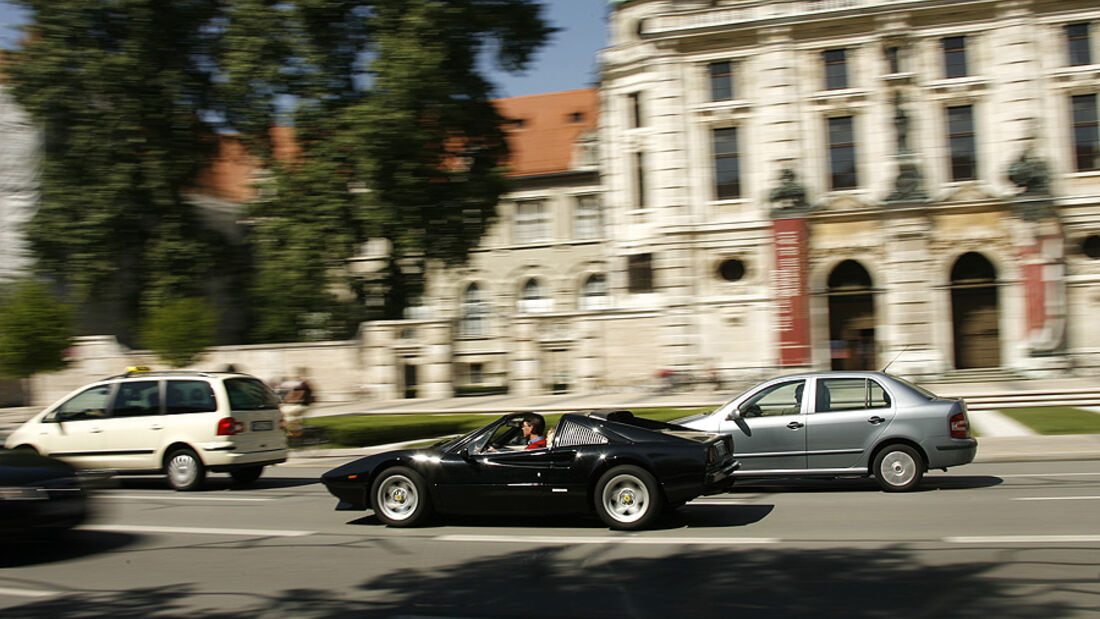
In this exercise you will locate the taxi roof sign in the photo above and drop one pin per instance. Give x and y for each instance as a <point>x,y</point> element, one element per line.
<point>137,369</point>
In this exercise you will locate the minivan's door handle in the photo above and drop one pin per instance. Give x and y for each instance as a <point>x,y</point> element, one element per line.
<point>156,426</point>
<point>876,420</point>
<point>95,430</point>
<point>794,425</point>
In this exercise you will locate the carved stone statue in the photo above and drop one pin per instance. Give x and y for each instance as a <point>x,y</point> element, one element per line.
<point>789,194</point>
<point>1030,172</point>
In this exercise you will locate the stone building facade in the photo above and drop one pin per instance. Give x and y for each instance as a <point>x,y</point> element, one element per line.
<point>803,184</point>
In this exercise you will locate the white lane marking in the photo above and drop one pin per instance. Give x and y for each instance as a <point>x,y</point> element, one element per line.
<point>158,497</point>
<point>563,541</point>
<point>722,502</point>
<point>26,593</point>
<point>127,528</point>
<point>1023,539</point>
<point>1097,474</point>
<point>1057,498</point>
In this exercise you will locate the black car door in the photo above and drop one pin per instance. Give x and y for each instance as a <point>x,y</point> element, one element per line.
<point>502,481</point>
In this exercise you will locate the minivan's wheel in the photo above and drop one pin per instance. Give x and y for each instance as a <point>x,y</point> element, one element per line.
<point>627,497</point>
<point>26,449</point>
<point>898,468</point>
<point>246,476</point>
<point>399,497</point>
<point>185,470</point>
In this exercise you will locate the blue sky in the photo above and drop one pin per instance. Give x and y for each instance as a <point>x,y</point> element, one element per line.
<point>568,62</point>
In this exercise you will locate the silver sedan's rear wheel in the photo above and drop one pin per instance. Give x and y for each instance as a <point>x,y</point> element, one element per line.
<point>185,470</point>
<point>399,497</point>
<point>627,497</point>
<point>898,468</point>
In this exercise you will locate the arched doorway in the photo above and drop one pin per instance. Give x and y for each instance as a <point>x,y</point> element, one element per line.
<point>975,314</point>
<point>851,318</point>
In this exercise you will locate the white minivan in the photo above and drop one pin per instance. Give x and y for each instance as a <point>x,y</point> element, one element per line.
<point>181,423</point>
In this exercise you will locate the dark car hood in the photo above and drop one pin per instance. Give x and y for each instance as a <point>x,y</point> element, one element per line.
<point>18,469</point>
<point>367,464</point>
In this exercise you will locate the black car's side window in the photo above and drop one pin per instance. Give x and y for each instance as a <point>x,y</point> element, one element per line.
<point>776,400</point>
<point>847,394</point>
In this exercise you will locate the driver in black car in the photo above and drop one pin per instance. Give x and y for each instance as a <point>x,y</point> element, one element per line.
<point>534,431</point>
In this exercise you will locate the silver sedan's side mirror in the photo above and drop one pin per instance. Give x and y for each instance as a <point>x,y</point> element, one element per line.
<point>734,413</point>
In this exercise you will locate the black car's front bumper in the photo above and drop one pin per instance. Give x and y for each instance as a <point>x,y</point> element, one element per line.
<point>352,495</point>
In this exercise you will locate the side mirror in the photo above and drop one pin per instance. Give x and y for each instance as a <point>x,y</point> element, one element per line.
<point>465,453</point>
<point>734,413</point>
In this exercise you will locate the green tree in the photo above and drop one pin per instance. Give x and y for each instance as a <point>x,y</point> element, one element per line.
<point>122,91</point>
<point>35,330</point>
<point>178,331</point>
<point>398,140</point>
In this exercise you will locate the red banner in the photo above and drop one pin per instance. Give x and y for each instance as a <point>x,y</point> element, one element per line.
<point>791,290</point>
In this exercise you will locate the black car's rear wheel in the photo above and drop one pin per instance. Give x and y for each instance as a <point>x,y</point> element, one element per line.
<point>399,497</point>
<point>898,468</point>
<point>628,497</point>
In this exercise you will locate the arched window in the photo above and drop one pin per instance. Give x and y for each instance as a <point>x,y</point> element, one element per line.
<point>594,293</point>
<point>474,311</point>
<point>533,299</point>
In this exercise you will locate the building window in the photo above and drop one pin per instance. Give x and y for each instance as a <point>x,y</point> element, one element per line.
<point>732,270</point>
<point>474,311</point>
<point>587,218</point>
<point>842,153</point>
<point>639,181</point>
<point>1077,38</point>
<point>594,293</point>
<point>635,103</point>
<point>836,69</point>
<point>1086,140</point>
<point>954,57</point>
<point>533,299</point>
<point>532,222</point>
<point>721,81</point>
<point>727,166</point>
<point>960,137</point>
<point>893,59</point>
<point>639,273</point>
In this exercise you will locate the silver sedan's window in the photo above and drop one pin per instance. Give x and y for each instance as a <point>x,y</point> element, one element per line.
<point>847,394</point>
<point>779,399</point>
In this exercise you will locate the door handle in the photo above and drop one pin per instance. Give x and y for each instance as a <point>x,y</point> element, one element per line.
<point>794,425</point>
<point>95,430</point>
<point>156,426</point>
<point>876,420</point>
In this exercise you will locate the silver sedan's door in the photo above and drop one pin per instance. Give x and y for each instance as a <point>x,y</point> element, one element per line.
<point>848,416</point>
<point>769,428</point>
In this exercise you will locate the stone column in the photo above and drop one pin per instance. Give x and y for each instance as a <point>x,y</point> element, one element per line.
<point>523,375</point>
<point>437,379</point>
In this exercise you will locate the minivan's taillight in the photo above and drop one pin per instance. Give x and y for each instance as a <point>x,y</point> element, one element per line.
<point>228,426</point>
<point>960,426</point>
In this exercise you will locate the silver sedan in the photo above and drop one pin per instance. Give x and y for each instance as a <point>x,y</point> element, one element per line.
<point>830,424</point>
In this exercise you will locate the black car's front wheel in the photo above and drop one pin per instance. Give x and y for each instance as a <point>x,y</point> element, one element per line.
<point>627,497</point>
<point>399,497</point>
<point>898,468</point>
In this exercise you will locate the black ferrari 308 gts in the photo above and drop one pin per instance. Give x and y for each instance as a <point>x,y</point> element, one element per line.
<point>625,468</point>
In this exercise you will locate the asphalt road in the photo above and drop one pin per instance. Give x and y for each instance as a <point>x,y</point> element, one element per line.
<point>987,540</point>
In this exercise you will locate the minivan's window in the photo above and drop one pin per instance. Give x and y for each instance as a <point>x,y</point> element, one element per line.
<point>90,403</point>
<point>189,396</point>
<point>250,394</point>
<point>138,398</point>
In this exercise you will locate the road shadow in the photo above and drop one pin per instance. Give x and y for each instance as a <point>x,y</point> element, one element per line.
<point>61,546</point>
<point>689,516</point>
<point>860,484</point>
<point>216,483</point>
<point>598,581</point>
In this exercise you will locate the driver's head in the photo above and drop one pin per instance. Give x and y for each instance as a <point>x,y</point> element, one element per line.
<point>798,393</point>
<point>535,422</point>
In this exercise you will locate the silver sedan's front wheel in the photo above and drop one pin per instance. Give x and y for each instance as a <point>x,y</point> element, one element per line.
<point>399,497</point>
<point>185,470</point>
<point>898,468</point>
<point>627,497</point>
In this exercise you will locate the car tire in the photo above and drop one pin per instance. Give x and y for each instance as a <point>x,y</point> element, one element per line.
<point>184,469</point>
<point>26,449</point>
<point>898,468</point>
<point>400,498</point>
<point>628,498</point>
<point>246,476</point>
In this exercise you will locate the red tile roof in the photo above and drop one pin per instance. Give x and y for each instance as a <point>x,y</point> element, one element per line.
<point>545,129</point>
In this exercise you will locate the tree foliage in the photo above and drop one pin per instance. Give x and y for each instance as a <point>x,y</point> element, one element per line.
<point>396,134</point>
<point>178,331</point>
<point>35,330</point>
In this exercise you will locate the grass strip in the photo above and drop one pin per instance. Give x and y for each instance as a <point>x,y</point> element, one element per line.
<point>1056,419</point>
<point>368,430</point>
